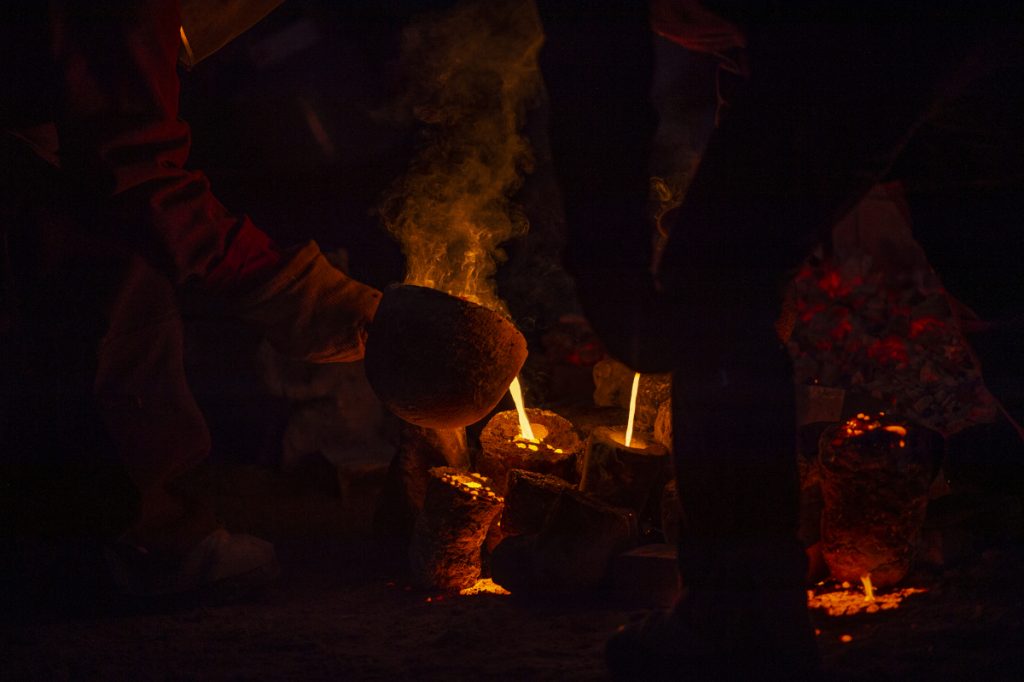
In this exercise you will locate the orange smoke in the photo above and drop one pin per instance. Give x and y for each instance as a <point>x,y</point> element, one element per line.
<point>472,72</point>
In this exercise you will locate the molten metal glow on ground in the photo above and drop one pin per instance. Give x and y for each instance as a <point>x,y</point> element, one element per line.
<point>848,600</point>
<point>483,586</point>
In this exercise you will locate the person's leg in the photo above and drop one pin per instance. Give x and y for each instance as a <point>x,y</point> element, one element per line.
<point>148,409</point>
<point>99,428</point>
<point>63,479</point>
<point>99,407</point>
<point>97,419</point>
<point>740,562</point>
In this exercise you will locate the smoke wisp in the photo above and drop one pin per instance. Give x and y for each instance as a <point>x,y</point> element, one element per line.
<point>472,73</point>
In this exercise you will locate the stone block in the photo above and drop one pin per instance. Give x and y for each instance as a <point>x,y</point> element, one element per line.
<point>647,576</point>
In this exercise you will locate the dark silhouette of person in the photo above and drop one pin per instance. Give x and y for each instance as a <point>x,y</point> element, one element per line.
<point>839,97</point>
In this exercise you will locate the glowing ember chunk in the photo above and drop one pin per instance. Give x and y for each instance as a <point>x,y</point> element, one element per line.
<point>483,586</point>
<point>846,639</point>
<point>632,409</point>
<point>863,423</point>
<point>465,481</point>
<point>525,430</point>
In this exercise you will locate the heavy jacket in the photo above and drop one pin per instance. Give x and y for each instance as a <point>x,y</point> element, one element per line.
<point>92,89</point>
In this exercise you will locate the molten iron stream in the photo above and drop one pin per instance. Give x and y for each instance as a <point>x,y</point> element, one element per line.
<point>632,409</point>
<point>869,591</point>
<point>525,429</point>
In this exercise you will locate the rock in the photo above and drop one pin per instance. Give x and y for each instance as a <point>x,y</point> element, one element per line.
<point>579,539</point>
<point>663,425</point>
<point>503,450</point>
<point>647,576</point>
<point>613,383</point>
<point>531,497</point>
<point>512,564</point>
<point>573,551</point>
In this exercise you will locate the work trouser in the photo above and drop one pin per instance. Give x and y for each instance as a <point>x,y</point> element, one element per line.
<point>96,418</point>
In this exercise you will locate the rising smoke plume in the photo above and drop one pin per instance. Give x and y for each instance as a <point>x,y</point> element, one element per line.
<point>472,73</point>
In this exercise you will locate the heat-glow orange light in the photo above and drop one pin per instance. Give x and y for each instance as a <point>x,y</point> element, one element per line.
<point>483,586</point>
<point>476,488</point>
<point>632,409</point>
<point>525,428</point>
<point>869,591</point>
<point>863,423</point>
<point>847,600</point>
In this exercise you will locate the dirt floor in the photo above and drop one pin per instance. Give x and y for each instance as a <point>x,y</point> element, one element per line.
<point>343,610</point>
